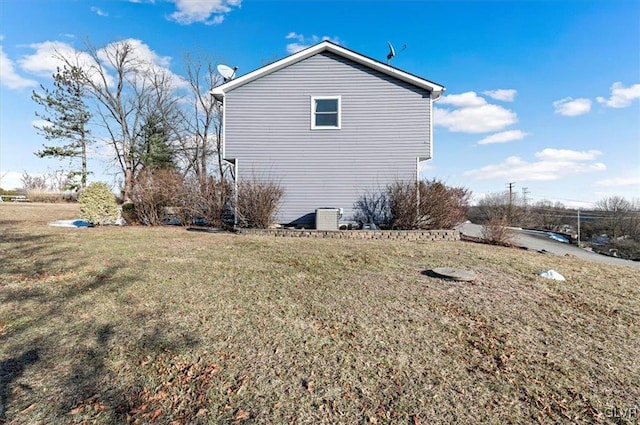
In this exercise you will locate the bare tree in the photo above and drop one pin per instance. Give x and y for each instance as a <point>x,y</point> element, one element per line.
<point>548,215</point>
<point>202,137</point>
<point>127,89</point>
<point>494,206</point>
<point>617,211</point>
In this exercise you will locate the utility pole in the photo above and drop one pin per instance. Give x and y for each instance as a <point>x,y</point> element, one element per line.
<point>578,227</point>
<point>509,213</point>
<point>525,192</point>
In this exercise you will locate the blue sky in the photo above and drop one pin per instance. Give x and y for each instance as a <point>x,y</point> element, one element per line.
<point>545,94</point>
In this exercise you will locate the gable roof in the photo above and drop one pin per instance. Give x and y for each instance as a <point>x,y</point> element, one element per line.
<point>328,46</point>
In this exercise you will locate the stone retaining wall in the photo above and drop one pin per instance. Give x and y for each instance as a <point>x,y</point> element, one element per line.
<point>410,235</point>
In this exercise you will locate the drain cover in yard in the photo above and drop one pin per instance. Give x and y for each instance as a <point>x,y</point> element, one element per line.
<point>453,274</point>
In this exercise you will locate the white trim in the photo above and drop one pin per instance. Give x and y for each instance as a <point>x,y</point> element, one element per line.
<point>435,89</point>
<point>224,129</point>
<point>313,113</point>
<point>430,127</point>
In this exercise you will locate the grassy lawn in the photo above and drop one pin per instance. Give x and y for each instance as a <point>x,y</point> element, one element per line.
<point>163,325</point>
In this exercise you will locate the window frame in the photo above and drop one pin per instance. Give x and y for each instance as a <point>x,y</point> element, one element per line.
<point>314,113</point>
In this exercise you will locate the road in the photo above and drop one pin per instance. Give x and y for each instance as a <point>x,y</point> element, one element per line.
<point>539,242</point>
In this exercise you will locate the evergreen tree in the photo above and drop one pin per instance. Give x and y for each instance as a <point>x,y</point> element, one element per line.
<point>67,117</point>
<point>154,150</point>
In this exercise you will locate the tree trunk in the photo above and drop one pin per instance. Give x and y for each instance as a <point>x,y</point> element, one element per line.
<point>127,191</point>
<point>83,176</point>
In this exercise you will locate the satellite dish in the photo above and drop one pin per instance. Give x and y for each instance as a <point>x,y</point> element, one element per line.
<point>227,72</point>
<point>391,53</point>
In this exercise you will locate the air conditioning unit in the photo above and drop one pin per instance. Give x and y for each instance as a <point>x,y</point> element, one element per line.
<point>327,218</point>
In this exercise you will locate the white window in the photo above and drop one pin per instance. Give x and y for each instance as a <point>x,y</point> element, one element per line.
<point>325,112</point>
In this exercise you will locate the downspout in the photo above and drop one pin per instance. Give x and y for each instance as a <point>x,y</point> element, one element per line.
<point>417,188</point>
<point>431,127</point>
<point>235,194</point>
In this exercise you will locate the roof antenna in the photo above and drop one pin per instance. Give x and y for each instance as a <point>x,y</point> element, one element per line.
<point>227,72</point>
<point>392,52</point>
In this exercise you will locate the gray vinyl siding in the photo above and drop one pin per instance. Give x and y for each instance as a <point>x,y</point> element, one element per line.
<point>385,128</point>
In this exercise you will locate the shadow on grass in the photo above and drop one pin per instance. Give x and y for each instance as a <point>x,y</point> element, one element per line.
<point>45,318</point>
<point>11,369</point>
<point>28,254</point>
<point>90,386</point>
<point>94,388</point>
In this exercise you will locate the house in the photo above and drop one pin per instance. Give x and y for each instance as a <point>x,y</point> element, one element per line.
<point>328,124</point>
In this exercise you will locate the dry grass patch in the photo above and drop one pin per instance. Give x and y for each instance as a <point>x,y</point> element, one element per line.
<point>162,325</point>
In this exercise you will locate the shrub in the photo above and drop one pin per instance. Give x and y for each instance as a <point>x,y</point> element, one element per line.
<point>129,213</point>
<point>46,196</point>
<point>258,202</point>
<point>98,204</point>
<point>409,205</point>
<point>208,200</point>
<point>158,194</point>
<point>373,207</point>
<point>153,192</point>
<point>496,232</point>
<point>403,204</point>
<point>441,206</point>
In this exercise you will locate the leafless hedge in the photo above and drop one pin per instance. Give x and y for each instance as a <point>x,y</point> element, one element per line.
<point>153,192</point>
<point>162,194</point>
<point>496,232</point>
<point>428,204</point>
<point>258,202</point>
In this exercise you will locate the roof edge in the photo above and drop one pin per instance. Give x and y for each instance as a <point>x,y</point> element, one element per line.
<point>328,46</point>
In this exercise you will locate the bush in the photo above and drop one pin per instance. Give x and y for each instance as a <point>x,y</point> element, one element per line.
<point>403,204</point>
<point>98,204</point>
<point>129,213</point>
<point>496,232</point>
<point>208,200</point>
<point>52,197</point>
<point>441,206</point>
<point>373,207</point>
<point>409,205</point>
<point>258,202</point>
<point>162,194</point>
<point>153,192</point>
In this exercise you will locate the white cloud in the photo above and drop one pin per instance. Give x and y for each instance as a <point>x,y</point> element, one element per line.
<point>209,12</point>
<point>621,96</point>
<point>515,168</point>
<point>302,42</point>
<point>47,58</point>
<point>474,114</point>
<point>140,52</point>
<point>480,119</point>
<point>146,58</point>
<point>505,95</point>
<point>571,107</point>
<point>99,11</point>
<point>504,137</point>
<point>463,100</point>
<point>620,181</point>
<point>8,75</point>
<point>550,154</point>
<point>10,180</point>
